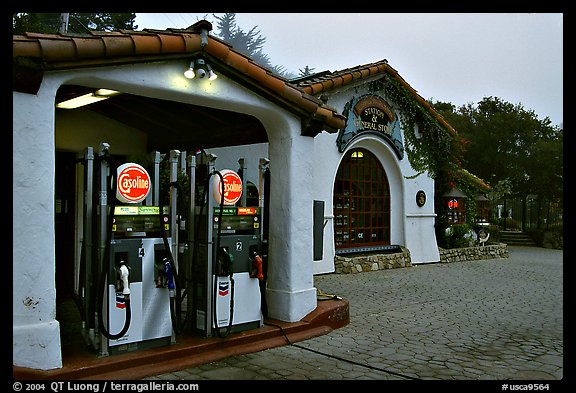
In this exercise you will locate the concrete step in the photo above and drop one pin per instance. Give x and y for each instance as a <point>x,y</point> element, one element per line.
<point>517,238</point>
<point>191,350</point>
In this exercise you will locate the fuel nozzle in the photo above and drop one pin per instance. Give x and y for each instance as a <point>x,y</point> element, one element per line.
<point>169,275</point>
<point>256,267</point>
<point>124,274</point>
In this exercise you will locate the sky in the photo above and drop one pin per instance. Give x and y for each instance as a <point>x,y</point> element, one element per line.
<point>458,58</point>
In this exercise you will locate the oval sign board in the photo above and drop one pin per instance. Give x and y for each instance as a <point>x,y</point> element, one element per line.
<point>232,187</point>
<point>133,183</point>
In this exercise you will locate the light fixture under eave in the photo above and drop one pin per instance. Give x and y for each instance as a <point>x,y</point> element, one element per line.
<point>86,99</point>
<point>189,73</point>
<point>211,74</point>
<point>199,69</point>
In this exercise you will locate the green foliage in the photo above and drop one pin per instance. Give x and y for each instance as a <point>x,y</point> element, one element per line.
<point>509,147</point>
<point>436,150</point>
<point>249,43</point>
<point>508,223</point>
<point>455,236</point>
<point>494,231</point>
<point>548,238</point>
<point>37,23</point>
<point>306,71</point>
<point>49,23</point>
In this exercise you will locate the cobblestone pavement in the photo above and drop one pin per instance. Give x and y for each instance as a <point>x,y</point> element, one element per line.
<point>497,319</point>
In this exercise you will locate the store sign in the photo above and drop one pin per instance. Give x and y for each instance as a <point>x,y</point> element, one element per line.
<point>371,114</point>
<point>232,187</point>
<point>132,183</point>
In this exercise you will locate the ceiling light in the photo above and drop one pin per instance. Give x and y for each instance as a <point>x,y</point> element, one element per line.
<point>86,99</point>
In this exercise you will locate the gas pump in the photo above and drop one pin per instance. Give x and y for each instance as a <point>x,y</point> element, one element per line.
<point>227,267</point>
<point>126,282</point>
<point>160,255</point>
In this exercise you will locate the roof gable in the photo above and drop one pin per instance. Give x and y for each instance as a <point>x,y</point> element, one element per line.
<point>326,81</point>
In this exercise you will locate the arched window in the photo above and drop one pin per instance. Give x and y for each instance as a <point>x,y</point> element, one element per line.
<point>361,204</point>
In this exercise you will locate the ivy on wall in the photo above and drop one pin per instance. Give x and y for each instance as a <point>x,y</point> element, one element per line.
<point>435,149</point>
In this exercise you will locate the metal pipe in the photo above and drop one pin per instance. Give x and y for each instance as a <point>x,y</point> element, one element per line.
<point>243,178</point>
<point>210,251</point>
<point>174,155</point>
<point>103,205</point>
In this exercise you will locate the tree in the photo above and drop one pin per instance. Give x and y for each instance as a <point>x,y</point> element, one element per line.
<point>306,71</point>
<point>249,43</point>
<point>49,23</point>
<point>509,147</point>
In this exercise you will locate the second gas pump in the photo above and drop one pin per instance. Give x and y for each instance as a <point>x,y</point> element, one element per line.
<point>227,262</point>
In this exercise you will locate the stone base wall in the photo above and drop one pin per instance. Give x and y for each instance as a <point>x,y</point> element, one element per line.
<point>493,251</point>
<point>372,262</point>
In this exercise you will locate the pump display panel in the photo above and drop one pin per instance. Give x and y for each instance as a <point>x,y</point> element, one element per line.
<point>139,220</point>
<point>238,220</point>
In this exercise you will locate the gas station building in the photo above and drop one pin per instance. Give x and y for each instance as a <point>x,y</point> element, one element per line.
<point>340,178</point>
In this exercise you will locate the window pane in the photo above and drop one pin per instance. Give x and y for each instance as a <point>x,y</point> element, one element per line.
<point>361,202</point>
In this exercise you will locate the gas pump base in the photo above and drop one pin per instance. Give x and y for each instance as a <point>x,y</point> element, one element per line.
<point>139,345</point>
<point>190,350</point>
<point>151,325</point>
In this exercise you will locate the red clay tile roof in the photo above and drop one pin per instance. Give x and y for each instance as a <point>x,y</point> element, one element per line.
<point>33,53</point>
<point>324,81</point>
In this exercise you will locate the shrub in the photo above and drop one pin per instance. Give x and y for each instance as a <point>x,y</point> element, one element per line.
<point>457,236</point>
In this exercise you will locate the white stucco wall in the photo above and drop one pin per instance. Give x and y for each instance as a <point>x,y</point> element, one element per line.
<point>36,333</point>
<point>290,291</point>
<point>410,225</point>
<point>303,169</point>
<point>227,158</point>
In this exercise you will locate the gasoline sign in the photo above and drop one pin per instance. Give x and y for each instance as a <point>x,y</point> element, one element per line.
<point>232,187</point>
<point>133,183</point>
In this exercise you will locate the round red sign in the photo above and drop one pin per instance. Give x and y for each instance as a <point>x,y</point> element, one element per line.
<point>232,187</point>
<point>133,183</point>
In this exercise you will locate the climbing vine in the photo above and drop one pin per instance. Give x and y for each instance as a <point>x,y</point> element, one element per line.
<point>434,149</point>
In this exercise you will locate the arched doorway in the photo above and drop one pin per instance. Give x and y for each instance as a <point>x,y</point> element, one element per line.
<point>361,203</point>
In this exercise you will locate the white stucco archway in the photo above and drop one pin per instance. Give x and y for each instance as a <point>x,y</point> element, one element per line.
<point>290,291</point>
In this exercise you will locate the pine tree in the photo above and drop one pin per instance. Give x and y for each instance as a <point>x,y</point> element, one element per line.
<point>249,43</point>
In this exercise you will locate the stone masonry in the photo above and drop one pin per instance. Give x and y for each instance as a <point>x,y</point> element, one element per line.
<point>371,262</point>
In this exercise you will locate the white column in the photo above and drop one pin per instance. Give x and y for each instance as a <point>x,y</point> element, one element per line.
<point>420,234</point>
<point>290,292</point>
<point>36,333</point>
